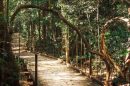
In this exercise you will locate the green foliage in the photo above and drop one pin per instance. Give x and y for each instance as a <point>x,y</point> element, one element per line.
<point>88,55</point>
<point>10,71</point>
<point>81,13</point>
<point>117,40</point>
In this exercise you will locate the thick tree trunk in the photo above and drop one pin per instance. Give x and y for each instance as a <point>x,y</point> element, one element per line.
<point>5,46</point>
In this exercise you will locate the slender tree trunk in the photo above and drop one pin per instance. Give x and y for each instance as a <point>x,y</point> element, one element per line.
<point>39,24</point>
<point>44,26</point>
<point>7,12</point>
<point>33,36</point>
<point>76,51</point>
<point>28,38</point>
<point>43,32</point>
<point>67,48</point>
<point>81,54</point>
<point>90,66</point>
<point>108,69</point>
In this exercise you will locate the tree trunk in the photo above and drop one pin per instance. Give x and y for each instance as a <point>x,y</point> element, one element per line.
<point>4,35</point>
<point>7,12</point>
<point>28,38</point>
<point>108,69</point>
<point>39,24</point>
<point>90,66</point>
<point>104,52</point>
<point>33,36</point>
<point>76,52</point>
<point>43,32</point>
<point>5,46</point>
<point>2,24</point>
<point>67,48</point>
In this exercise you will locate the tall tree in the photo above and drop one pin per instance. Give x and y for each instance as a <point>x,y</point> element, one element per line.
<point>6,57</point>
<point>4,32</point>
<point>2,27</point>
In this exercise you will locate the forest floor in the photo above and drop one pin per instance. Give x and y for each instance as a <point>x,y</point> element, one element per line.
<point>52,73</point>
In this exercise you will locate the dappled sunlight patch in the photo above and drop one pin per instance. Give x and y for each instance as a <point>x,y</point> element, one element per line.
<point>26,57</point>
<point>57,77</point>
<point>47,62</point>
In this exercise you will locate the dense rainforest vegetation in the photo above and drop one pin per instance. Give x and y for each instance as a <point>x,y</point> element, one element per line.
<point>93,31</point>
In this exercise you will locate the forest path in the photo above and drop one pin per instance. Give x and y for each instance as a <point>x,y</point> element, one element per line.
<point>52,73</point>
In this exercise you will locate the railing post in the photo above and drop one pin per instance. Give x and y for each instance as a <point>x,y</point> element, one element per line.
<point>36,69</point>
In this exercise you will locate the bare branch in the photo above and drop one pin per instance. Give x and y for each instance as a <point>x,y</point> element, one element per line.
<point>123,20</point>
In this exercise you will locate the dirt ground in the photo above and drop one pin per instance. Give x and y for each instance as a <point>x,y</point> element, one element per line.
<point>52,73</point>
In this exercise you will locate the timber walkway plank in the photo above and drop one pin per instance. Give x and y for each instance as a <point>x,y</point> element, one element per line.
<point>52,73</point>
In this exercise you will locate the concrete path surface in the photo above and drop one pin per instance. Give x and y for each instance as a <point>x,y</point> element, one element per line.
<point>52,73</point>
